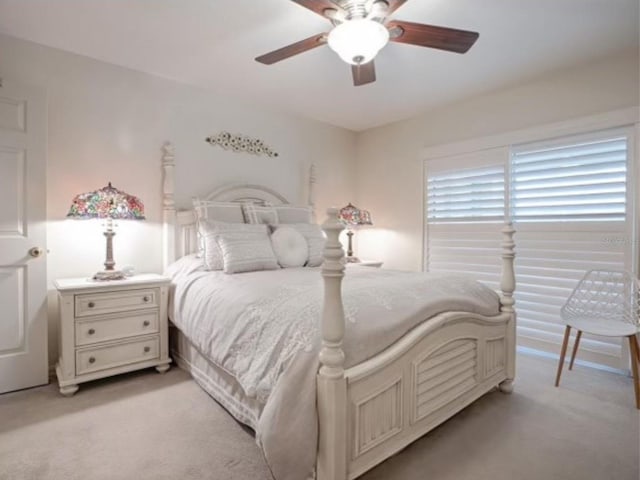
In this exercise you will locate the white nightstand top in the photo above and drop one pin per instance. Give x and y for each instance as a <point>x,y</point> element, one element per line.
<point>88,283</point>
<point>366,263</point>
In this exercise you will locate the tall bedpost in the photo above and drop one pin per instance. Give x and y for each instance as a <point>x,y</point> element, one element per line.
<point>332,385</point>
<point>311,200</point>
<point>508,286</point>
<point>168,206</point>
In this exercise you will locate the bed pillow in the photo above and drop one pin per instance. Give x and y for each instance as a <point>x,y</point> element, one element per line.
<point>213,258</point>
<point>293,214</point>
<point>211,210</point>
<point>265,214</point>
<point>315,238</point>
<point>229,212</point>
<point>246,252</point>
<point>290,247</point>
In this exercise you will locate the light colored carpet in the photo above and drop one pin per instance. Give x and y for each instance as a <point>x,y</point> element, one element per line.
<point>149,426</point>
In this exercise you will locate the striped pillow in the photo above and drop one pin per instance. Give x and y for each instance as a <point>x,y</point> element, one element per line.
<point>213,258</point>
<point>246,252</point>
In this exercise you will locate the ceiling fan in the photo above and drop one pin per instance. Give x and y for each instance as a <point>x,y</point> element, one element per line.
<point>361,28</point>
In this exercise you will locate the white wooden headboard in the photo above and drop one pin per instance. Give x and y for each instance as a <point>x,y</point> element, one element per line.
<point>179,232</point>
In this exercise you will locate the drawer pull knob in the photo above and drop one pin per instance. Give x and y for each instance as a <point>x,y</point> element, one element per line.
<point>147,349</point>
<point>145,299</point>
<point>91,331</point>
<point>92,359</point>
<point>91,304</point>
<point>146,323</point>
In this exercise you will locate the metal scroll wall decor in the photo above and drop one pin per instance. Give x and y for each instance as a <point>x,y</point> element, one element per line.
<point>241,143</point>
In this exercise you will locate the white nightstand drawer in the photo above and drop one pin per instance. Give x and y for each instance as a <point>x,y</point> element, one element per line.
<point>113,327</point>
<point>102,358</point>
<point>118,301</point>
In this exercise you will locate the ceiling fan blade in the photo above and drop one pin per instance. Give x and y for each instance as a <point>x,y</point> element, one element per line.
<point>442,38</point>
<point>319,6</point>
<point>293,49</point>
<point>363,74</point>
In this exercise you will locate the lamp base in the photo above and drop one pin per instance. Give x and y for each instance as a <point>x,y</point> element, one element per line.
<point>107,275</point>
<point>352,259</point>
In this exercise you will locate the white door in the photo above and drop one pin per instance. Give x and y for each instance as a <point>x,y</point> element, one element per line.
<point>23,272</point>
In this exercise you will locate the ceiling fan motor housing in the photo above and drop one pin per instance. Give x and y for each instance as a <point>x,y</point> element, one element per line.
<point>358,41</point>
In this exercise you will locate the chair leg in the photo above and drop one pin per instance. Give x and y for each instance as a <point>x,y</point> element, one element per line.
<point>634,368</point>
<point>563,353</point>
<point>635,340</point>
<point>575,349</point>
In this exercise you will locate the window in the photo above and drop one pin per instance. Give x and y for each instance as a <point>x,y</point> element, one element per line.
<point>475,194</point>
<point>574,181</point>
<point>569,200</point>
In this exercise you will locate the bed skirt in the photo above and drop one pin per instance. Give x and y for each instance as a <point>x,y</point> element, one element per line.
<point>214,380</point>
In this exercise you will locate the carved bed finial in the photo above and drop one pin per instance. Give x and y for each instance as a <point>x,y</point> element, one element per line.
<point>508,280</point>
<point>311,200</point>
<point>168,204</point>
<point>168,159</point>
<point>331,355</point>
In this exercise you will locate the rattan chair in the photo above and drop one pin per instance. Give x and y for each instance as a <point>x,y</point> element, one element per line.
<point>604,303</point>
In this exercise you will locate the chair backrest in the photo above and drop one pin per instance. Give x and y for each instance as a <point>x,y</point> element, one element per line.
<point>604,295</point>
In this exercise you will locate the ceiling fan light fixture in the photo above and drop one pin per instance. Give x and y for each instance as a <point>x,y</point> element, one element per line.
<point>358,41</point>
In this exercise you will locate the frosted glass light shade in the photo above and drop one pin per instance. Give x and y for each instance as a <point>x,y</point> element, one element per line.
<point>358,41</point>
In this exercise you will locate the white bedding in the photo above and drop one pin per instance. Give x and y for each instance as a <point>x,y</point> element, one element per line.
<point>263,329</point>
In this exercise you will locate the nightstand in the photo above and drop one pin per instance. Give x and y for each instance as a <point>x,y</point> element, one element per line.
<point>111,327</point>
<point>366,263</point>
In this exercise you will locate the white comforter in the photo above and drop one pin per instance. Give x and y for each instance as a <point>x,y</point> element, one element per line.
<point>263,329</point>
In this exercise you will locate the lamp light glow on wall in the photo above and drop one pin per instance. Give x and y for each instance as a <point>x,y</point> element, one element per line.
<point>358,41</point>
<point>109,204</point>
<point>353,217</point>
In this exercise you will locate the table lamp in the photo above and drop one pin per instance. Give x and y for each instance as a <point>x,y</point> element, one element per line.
<point>110,204</point>
<point>353,217</point>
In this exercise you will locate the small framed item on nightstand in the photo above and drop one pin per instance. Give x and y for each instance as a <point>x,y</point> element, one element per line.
<point>113,327</point>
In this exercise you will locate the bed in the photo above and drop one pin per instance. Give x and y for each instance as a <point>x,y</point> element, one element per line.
<point>334,374</point>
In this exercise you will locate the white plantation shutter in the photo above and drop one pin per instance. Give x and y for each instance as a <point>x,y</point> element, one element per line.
<point>569,205</point>
<point>549,266</point>
<point>583,181</point>
<point>468,195</point>
<point>569,200</point>
<point>471,249</point>
<point>465,212</point>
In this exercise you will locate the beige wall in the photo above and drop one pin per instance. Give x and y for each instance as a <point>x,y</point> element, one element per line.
<point>389,164</point>
<point>108,123</point>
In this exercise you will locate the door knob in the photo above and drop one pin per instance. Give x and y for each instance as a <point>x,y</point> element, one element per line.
<point>35,252</point>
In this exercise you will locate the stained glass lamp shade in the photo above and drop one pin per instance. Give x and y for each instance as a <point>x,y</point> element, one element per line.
<point>353,217</point>
<point>109,204</point>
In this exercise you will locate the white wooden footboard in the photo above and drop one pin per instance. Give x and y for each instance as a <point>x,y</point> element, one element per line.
<point>374,409</point>
<point>425,378</point>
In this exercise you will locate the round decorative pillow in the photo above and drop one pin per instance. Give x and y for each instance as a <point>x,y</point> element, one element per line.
<point>290,247</point>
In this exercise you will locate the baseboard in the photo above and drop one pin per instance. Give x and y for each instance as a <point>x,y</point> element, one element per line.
<point>540,353</point>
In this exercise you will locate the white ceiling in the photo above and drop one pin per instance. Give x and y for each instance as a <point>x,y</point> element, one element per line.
<point>212,44</point>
